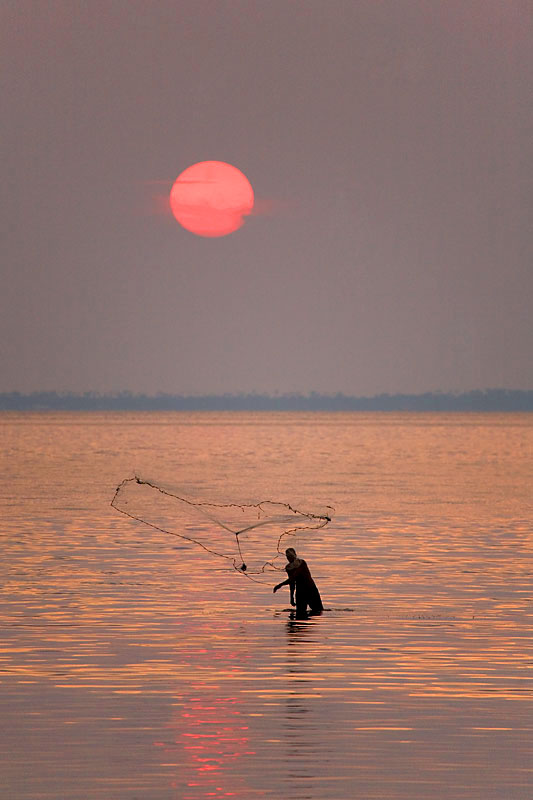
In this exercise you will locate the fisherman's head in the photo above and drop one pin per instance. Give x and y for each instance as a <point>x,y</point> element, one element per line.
<point>290,552</point>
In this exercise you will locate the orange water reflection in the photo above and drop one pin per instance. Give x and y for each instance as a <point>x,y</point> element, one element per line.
<point>207,736</point>
<point>211,740</point>
<point>137,668</point>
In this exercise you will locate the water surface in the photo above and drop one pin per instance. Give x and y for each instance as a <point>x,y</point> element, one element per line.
<point>134,665</point>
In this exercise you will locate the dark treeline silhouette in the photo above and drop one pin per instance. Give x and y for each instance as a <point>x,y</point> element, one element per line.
<point>479,400</point>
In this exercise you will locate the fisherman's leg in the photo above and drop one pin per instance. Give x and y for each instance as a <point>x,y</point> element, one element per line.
<point>301,605</point>
<point>315,601</point>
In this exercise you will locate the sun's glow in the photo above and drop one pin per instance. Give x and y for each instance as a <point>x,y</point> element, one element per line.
<point>211,198</point>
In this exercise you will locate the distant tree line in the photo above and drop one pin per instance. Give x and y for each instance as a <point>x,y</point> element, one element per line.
<point>479,400</point>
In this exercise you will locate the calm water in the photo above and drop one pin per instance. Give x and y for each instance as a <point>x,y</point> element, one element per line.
<point>134,665</point>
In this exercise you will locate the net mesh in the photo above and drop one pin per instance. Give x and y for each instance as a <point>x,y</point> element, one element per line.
<point>251,538</point>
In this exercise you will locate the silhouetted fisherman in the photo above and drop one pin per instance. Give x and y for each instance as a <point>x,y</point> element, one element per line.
<point>301,582</point>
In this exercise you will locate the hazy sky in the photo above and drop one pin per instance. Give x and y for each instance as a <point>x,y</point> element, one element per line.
<point>389,144</point>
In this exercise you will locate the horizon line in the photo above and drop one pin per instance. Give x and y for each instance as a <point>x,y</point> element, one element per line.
<point>504,400</point>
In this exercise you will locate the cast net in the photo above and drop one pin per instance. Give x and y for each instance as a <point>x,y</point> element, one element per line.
<point>251,538</point>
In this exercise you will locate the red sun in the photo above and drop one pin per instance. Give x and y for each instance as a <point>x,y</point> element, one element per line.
<point>211,198</point>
